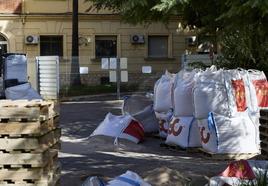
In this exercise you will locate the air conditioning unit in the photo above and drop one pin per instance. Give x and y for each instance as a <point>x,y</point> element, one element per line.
<point>31,40</point>
<point>137,39</point>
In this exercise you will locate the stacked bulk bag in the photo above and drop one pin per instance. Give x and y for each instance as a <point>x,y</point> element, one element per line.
<point>183,132</point>
<point>223,135</point>
<point>163,102</point>
<point>227,112</point>
<point>162,93</point>
<point>182,96</point>
<point>260,84</point>
<point>120,127</point>
<point>164,120</point>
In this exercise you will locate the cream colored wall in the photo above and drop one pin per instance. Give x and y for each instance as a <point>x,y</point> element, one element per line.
<point>17,28</point>
<point>58,6</point>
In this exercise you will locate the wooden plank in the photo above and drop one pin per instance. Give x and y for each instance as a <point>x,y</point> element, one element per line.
<point>231,156</point>
<point>41,143</point>
<point>28,128</point>
<point>46,108</point>
<point>34,160</point>
<point>51,179</point>
<point>15,113</point>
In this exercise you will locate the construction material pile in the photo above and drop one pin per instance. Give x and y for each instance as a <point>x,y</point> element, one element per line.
<point>29,138</point>
<point>217,110</point>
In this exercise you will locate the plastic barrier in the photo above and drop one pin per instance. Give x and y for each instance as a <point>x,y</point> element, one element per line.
<point>120,127</point>
<point>183,131</point>
<point>221,134</point>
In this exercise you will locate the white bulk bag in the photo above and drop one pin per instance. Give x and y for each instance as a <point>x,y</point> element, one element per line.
<point>225,92</point>
<point>221,134</point>
<point>128,179</point>
<point>23,91</point>
<point>260,87</point>
<point>163,92</point>
<point>135,103</point>
<point>148,119</point>
<point>163,120</point>
<point>182,97</point>
<point>183,131</point>
<point>120,126</point>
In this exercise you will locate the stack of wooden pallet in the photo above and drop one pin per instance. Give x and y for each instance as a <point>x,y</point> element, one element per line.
<point>29,143</point>
<point>264,132</point>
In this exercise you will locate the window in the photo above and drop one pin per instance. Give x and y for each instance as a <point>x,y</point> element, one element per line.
<point>51,46</point>
<point>106,46</point>
<point>158,46</point>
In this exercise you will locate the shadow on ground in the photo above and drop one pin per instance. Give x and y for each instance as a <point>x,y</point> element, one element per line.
<point>82,156</point>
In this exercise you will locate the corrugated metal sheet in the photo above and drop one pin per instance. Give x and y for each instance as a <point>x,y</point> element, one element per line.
<point>48,76</point>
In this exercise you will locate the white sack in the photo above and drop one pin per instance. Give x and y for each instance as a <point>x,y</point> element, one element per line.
<point>163,120</point>
<point>120,126</point>
<point>220,134</point>
<point>135,103</point>
<point>260,87</point>
<point>128,179</point>
<point>163,93</point>
<point>23,91</point>
<point>225,92</point>
<point>183,97</point>
<point>183,131</point>
<point>148,119</point>
<point>16,67</point>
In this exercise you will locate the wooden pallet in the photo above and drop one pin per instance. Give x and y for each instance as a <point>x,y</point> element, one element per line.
<point>18,159</point>
<point>23,110</point>
<point>30,177</point>
<point>37,144</point>
<point>178,148</point>
<point>233,156</point>
<point>33,128</point>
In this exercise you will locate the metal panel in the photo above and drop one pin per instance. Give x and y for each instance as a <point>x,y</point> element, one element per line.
<point>48,76</point>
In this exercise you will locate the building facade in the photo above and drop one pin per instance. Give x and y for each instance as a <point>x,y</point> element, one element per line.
<point>44,27</point>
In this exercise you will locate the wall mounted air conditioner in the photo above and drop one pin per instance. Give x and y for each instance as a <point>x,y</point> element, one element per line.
<point>137,39</point>
<point>31,40</point>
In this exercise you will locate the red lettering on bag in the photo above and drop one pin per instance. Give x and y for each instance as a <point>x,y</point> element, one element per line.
<point>240,95</point>
<point>162,126</point>
<point>261,87</point>
<point>172,129</point>
<point>204,139</point>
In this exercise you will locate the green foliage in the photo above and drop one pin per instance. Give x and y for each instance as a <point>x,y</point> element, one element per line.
<point>240,26</point>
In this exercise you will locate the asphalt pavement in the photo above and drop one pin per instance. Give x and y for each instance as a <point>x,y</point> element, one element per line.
<point>82,156</point>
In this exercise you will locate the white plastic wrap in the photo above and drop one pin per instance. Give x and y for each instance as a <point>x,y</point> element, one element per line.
<point>23,91</point>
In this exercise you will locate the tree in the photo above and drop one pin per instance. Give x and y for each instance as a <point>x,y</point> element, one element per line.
<point>240,26</point>
<point>75,75</point>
